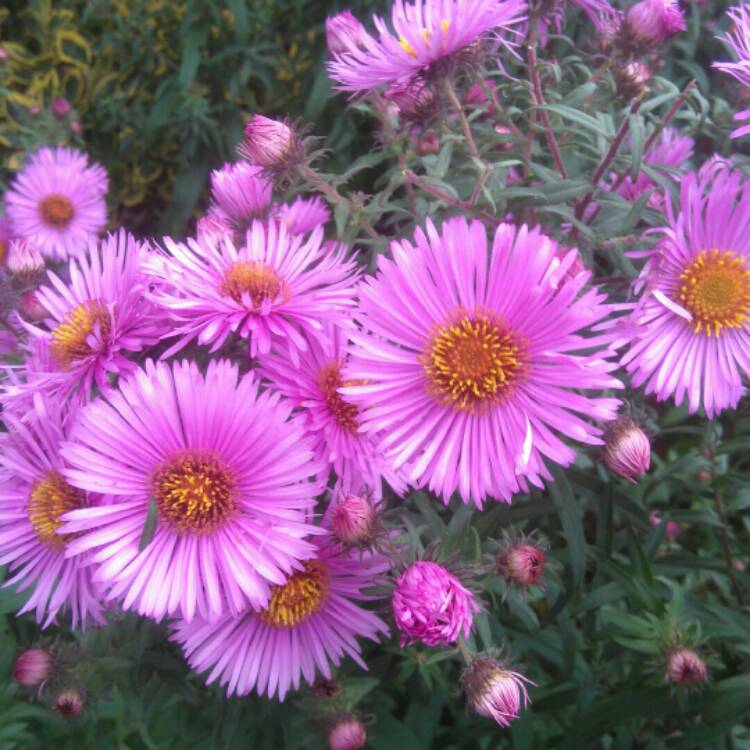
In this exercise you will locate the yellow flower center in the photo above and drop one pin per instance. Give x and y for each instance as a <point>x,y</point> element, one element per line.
<point>70,338</point>
<point>300,597</point>
<point>195,493</point>
<point>427,35</point>
<point>472,363</point>
<point>345,414</point>
<point>715,290</point>
<point>255,279</point>
<point>56,211</point>
<point>49,499</point>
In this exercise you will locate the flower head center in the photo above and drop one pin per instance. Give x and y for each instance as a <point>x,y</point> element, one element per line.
<point>715,289</point>
<point>304,594</point>
<point>253,281</point>
<point>195,493</point>
<point>49,499</point>
<point>74,338</point>
<point>473,362</point>
<point>345,414</point>
<point>56,211</point>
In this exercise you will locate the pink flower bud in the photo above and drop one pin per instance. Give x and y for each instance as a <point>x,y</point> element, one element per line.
<point>353,520</point>
<point>431,606</point>
<point>493,691</point>
<point>75,127</point>
<point>60,107</point>
<point>347,733</point>
<point>627,452</point>
<point>272,144</point>
<point>4,55</point>
<point>632,78</point>
<point>650,22</point>
<point>522,564</point>
<point>685,667</point>
<point>31,308</point>
<point>33,668</point>
<point>23,258</point>
<point>344,33</point>
<point>69,703</point>
<point>414,98</point>
<point>429,143</point>
<point>671,530</point>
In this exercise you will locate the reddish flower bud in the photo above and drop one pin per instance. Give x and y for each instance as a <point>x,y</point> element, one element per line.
<point>671,530</point>
<point>75,127</point>
<point>353,520</point>
<point>632,78</point>
<point>650,22</point>
<point>272,144</point>
<point>69,703</point>
<point>429,143</point>
<point>344,32</point>
<point>347,733</point>
<point>627,452</point>
<point>493,691</point>
<point>414,98</point>
<point>522,564</point>
<point>685,667</point>
<point>60,107</point>
<point>33,668</point>
<point>326,688</point>
<point>31,308</point>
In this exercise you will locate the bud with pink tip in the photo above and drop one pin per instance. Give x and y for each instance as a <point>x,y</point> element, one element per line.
<point>431,606</point>
<point>521,564</point>
<point>344,33</point>
<point>60,107</point>
<point>69,703</point>
<point>33,668</point>
<point>672,528</point>
<point>31,308</point>
<point>24,260</point>
<point>632,78</point>
<point>75,127</point>
<point>347,733</point>
<point>685,667</point>
<point>627,451</point>
<point>494,691</point>
<point>650,22</point>
<point>4,55</point>
<point>415,98</point>
<point>272,144</point>
<point>353,520</point>
<point>428,144</point>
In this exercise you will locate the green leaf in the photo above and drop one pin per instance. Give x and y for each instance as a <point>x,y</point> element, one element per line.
<point>570,518</point>
<point>149,528</point>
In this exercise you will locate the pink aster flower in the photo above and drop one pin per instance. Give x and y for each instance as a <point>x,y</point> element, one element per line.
<point>672,149</point>
<point>692,336</point>
<point>311,381</point>
<point>34,495</point>
<point>431,606</point>
<point>303,215</point>
<point>494,691</point>
<point>343,32</point>
<point>58,201</point>
<point>240,192</point>
<point>650,22</point>
<point>312,620</point>
<point>738,40</point>
<point>273,286</point>
<point>99,317</point>
<point>229,486</point>
<point>469,359</point>
<point>424,33</point>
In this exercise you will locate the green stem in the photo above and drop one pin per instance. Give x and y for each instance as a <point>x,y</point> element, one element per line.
<point>450,92</point>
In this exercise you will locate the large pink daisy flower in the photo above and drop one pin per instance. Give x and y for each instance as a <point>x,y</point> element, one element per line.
<point>738,40</point>
<point>330,420</point>
<point>693,316</point>
<point>98,317</point>
<point>471,361</point>
<point>311,621</point>
<point>274,285</point>
<point>58,201</point>
<point>227,473</point>
<point>34,494</point>
<point>424,33</point>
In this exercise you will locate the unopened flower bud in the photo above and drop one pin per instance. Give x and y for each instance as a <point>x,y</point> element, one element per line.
<point>414,98</point>
<point>627,452</point>
<point>649,22</point>
<point>24,260</point>
<point>493,691</point>
<point>75,127</point>
<point>69,703</point>
<point>344,33</point>
<point>326,688</point>
<point>272,144</point>
<point>521,564</point>
<point>353,520</point>
<point>672,528</point>
<point>685,667</point>
<point>31,308</point>
<point>428,144</point>
<point>347,733</point>
<point>4,55</point>
<point>33,668</point>
<point>632,78</point>
<point>60,107</point>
